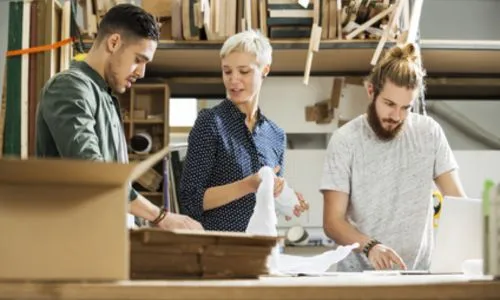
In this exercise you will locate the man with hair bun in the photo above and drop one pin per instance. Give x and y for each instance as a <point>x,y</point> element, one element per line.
<point>379,171</point>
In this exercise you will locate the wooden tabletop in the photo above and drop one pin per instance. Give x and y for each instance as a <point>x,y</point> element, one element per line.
<point>347,286</point>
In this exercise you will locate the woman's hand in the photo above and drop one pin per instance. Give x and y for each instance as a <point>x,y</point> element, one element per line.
<point>299,208</point>
<point>279,182</point>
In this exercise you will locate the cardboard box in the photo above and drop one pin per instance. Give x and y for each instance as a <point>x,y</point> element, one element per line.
<point>66,219</point>
<point>139,114</point>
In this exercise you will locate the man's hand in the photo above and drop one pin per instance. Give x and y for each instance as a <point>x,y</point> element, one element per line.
<point>383,258</point>
<point>177,221</point>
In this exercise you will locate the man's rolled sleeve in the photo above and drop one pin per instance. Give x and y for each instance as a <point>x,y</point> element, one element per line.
<point>68,108</point>
<point>198,164</point>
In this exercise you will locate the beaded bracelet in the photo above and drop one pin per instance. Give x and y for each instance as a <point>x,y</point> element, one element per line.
<point>372,243</point>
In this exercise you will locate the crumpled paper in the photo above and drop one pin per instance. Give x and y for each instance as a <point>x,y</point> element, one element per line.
<point>264,221</point>
<point>290,264</point>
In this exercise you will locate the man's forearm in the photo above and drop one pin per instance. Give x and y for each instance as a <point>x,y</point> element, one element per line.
<point>343,233</point>
<point>221,195</point>
<point>143,208</point>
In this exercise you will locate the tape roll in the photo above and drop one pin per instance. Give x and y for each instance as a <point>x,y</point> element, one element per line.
<point>297,235</point>
<point>141,143</point>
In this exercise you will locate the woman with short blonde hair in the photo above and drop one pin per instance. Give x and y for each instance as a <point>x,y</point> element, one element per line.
<point>230,142</point>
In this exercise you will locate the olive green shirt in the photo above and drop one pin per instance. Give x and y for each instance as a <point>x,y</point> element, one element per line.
<point>79,118</point>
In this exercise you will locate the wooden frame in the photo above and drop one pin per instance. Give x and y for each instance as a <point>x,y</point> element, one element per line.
<point>53,20</point>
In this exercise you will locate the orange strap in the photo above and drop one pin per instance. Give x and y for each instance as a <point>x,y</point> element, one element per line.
<point>40,48</point>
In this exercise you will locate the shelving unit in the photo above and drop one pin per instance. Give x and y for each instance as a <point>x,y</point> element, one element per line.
<point>145,109</point>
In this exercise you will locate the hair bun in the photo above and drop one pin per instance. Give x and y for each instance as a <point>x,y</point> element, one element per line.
<point>407,51</point>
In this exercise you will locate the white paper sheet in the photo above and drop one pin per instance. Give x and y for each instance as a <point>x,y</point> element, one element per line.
<point>314,265</point>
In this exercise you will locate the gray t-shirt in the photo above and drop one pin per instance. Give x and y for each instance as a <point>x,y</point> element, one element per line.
<point>389,185</point>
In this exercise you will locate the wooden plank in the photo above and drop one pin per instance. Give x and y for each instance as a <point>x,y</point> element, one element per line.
<point>65,33</point>
<point>255,14</point>
<point>186,19</point>
<point>406,15</point>
<point>325,18</point>
<point>394,16</point>
<point>263,17</point>
<point>2,110</point>
<point>313,42</point>
<point>415,21</point>
<point>49,66</point>
<point>33,90</point>
<point>338,84</point>
<point>332,14</point>
<point>41,39</point>
<point>369,23</point>
<point>339,19</point>
<point>90,18</point>
<point>12,136</point>
<point>177,20</point>
<point>222,29</point>
<point>248,14</point>
<point>313,47</point>
<point>232,14</point>
<point>24,85</point>
<point>239,14</point>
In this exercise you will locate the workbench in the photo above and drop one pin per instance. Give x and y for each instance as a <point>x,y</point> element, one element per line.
<point>345,286</point>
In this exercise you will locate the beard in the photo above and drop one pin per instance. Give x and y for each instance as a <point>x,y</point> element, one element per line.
<point>112,77</point>
<point>376,124</point>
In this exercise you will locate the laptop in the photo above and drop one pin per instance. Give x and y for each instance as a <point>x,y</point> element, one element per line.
<point>458,237</point>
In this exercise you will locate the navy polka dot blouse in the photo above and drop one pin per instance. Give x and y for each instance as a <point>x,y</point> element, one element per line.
<point>222,150</point>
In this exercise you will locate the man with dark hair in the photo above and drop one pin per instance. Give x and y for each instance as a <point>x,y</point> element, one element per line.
<point>78,116</point>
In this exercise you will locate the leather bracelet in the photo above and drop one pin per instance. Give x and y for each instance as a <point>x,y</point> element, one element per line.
<point>161,216</point>
<point>372,243</point>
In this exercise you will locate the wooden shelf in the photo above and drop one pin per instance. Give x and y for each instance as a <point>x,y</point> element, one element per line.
<point>441,58</point>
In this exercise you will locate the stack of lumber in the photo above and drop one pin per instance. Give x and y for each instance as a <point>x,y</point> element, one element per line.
<point>277,19</point>
<point>159,254</point>
<point>38,46</point>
